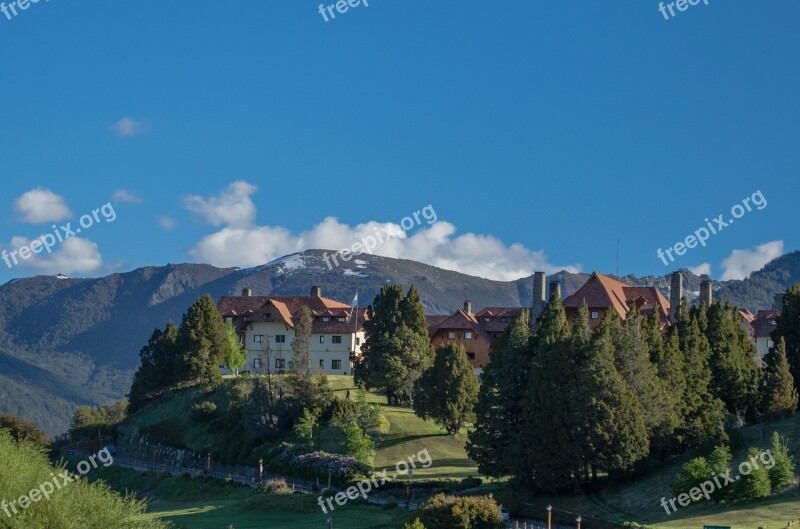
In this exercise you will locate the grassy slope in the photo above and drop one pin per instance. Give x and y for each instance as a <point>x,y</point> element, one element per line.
<point>408,435</point>
<point>213,504</point>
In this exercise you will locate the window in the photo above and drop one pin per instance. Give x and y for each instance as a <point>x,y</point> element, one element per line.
<point>471,356</point>
<point>504,319</point>
<point>280,363</point>
<point>487,319</point>
<point>451,335</point>
<point>341,319</point>
<point>321,339</point>
<point>595,315</point>
<point>336,339</point>
<point>280,338</point>
<point>229,319</point>
<point>322,364</point>
<point>468,335</point>
<point>336,364</point>
<point>326,318</point>
<point>258,338</point>
<point>358,341</point>
<point>257,363</point>
<point>240,338</point>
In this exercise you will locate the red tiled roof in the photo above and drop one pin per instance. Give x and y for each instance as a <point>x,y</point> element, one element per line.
<point>247,309</point>
<point>601,291</point>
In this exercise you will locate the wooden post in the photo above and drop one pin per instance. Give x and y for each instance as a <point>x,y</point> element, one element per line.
<point>549,517</point>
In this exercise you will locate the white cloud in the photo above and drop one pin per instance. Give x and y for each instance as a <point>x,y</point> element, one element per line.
<point>740,263</point>
<point>123,195</point>
<point>701,269</point>
<point>166,223</point>
<point>41,205</point>
<point>232,207</point>
<point>242,243</point>
<point>73,256</point>
<point>128,126</point>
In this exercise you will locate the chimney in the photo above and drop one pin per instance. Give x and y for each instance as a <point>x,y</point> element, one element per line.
<point>247,292</point>
<point>316,292</point>
<point>706,293</point>
<point>539,295</point>
<point>555,288</point>
<point>468,307</point>
<point>675,294</point>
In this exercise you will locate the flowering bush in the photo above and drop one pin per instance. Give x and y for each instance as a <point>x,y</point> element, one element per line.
<point>293,460</point>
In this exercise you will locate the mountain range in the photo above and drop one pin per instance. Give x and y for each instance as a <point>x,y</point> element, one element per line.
<point>67,342</point>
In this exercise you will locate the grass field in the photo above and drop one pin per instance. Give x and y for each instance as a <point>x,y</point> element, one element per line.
<point>206,503</point>
<point>408,435</point>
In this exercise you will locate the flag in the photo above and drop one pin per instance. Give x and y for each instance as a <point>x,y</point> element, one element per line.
<point>353,308</point>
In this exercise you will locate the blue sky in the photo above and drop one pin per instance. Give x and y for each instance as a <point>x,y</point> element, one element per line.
<point>539,132</point>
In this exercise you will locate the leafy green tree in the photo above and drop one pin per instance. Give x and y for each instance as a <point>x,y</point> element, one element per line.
<point>89,422</point>
<point>756,484</point>
<point>312,392</point>
<point>414,524</point>
<point>201,339</point>
<point>448,391</point>
<point>735,369</point>
<point>304,428</point>
<point>357,442</point>
<point>782,473</point>
<point>497,442</point>
<point>22,430</point>
<point>788,328</point>
<point>235,353</point>
<point>301,345</point>
<point>780,394</point>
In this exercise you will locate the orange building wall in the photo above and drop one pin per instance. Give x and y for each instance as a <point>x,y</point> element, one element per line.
<point>477,345</point>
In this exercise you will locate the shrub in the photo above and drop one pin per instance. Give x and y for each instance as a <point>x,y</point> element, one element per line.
<point>756,484</point>
<point>691,475</point>
<point>23,429</point>
<point>275,485</point>
<point>296,461</point>
<point>78,504</point>
<point>453,512</point>
<point>414,524</point>
<point>203,411</point>
<point>782,472</point>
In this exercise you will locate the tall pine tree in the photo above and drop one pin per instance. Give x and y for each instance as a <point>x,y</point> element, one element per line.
<point>789,329</point>
<point>498,442</point>
<point>780,394</point>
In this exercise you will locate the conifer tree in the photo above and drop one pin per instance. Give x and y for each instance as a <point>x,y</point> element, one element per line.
<point>497,443</point>
<point>632,344</point>
<point>789,329</point>
<point>615,428</point>
<point>397,348</point>
<point>201,338</point>
<point>704,414</point>
<point>735,370</point>
<point>780,394</point>
<point>448,391</point>
<point>553,459</point>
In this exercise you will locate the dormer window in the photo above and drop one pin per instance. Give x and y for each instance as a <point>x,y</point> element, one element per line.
<point>341,319</point>
<point>326,319</point>
<point>504,319</point>
<point>487,319</point>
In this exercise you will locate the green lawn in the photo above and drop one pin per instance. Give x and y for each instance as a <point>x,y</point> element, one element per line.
<point>408,435</point>
<point>207,503</point>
